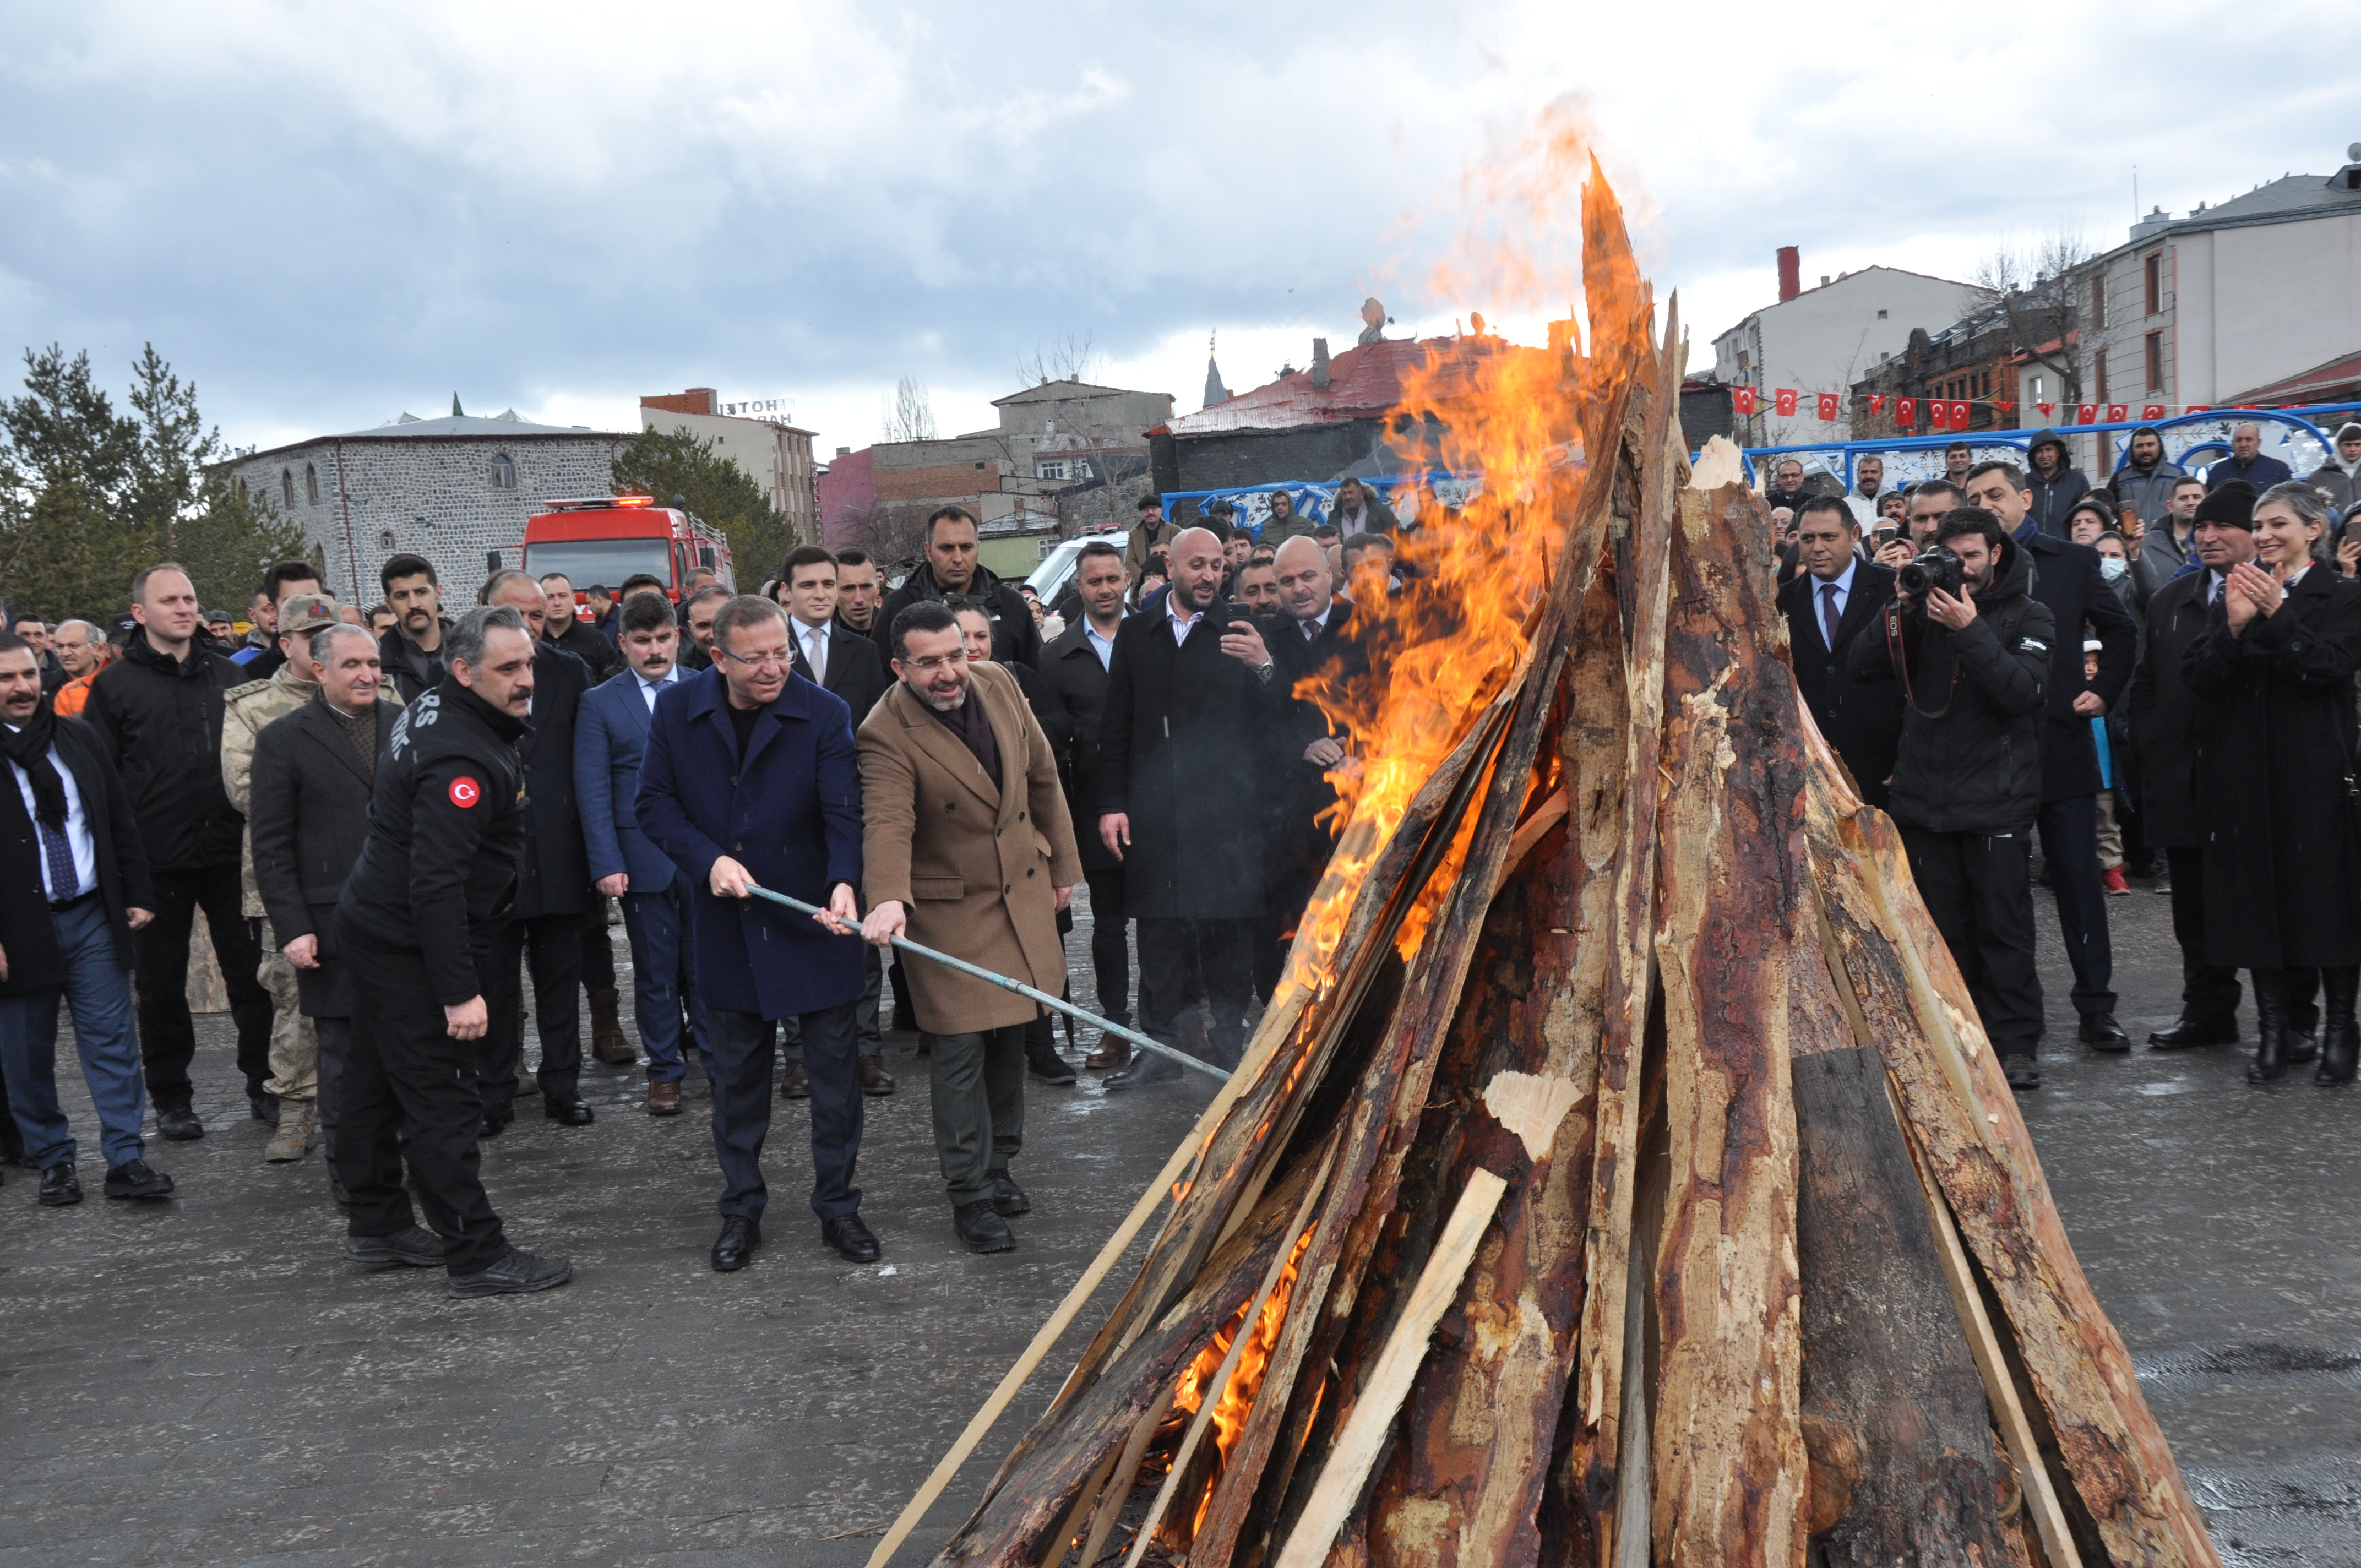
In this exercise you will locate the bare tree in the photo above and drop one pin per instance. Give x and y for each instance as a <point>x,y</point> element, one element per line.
<point>911,417</point>
<point>2032,283</point>
<point>1070,359</point>
<point>892,533</point>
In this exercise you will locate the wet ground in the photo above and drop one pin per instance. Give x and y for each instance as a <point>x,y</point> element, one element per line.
<point>203,1381</point>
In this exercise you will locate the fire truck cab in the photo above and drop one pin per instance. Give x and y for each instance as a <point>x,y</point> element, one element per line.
<point>604,539</point>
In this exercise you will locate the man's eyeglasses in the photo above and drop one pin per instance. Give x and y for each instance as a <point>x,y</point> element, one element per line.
<point>758,661</point>
<point>929,665</point>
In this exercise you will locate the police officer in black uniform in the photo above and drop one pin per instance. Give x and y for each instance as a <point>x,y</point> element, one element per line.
<point>432,884</point>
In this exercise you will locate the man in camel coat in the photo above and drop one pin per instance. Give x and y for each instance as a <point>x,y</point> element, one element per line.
<point>966,847</point>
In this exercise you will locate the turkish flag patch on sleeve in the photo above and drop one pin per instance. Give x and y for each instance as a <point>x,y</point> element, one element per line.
<point>466,791</point>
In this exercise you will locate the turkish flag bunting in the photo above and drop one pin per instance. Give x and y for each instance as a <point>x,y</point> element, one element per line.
<point>1959,416</point>
<point>2004,407</point>
<point>1743,398</point>
<point>2198,409</point>
<point>1784,399</point>
<point>2086,413</point>
<point>1939,414</point>
<point>1905,412</point>
<point>1877,402</point>
<point>2116,413</point>
<point>1827,405</point>
<point>2045,409</point>
<point>2151,410</point>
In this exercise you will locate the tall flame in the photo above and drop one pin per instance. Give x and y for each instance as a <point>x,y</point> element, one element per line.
<point>1442,647</point>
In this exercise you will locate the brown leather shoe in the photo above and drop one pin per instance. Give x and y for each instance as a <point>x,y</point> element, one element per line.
<point>664,1097</point>
<point>608,1041</point>
<point>1112,1053</point>
<point>795,1083</point>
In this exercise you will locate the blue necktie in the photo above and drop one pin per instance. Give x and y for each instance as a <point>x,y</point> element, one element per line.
<point>63,881</point>
<point>1830,619</point>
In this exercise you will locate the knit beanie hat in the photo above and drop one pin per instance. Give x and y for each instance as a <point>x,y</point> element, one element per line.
<point>2233,503</point>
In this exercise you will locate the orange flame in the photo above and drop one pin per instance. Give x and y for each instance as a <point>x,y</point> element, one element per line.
<point>1236,1399</point>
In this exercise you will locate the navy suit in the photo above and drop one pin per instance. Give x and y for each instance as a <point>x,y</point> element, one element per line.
<point>789,811</point>
<point>610,735</point>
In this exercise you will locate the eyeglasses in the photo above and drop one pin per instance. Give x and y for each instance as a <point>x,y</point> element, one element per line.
<point>759,660</point>
<point>928,666</point>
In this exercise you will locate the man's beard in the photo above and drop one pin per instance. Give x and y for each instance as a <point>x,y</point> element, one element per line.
<point>941,704</point>
<point>1197,599</point>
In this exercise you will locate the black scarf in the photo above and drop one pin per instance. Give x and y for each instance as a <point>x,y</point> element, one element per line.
<point>30,749</point>
<point>501,722</point>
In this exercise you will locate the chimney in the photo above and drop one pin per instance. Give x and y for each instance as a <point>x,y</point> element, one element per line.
<point>1790,272</point>
<point>1320,363</point>
<point>844,452</point>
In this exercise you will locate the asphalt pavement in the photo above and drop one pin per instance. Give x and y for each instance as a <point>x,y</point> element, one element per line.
<point>204,1381</point>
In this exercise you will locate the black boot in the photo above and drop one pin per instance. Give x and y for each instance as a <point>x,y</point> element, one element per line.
<point>2340,1037</point>
<point>2270,1026</point>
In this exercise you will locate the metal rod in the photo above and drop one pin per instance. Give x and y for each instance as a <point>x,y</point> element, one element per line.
<point>1019,986</point>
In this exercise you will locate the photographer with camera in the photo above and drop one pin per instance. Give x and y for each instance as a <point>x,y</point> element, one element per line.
<point>1971,647</point>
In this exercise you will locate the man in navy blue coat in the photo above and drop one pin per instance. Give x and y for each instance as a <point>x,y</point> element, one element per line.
<point>611,736</point>
<point>750,779</point>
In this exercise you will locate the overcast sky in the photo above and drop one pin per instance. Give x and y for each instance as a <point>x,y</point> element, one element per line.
<point>328,214</point>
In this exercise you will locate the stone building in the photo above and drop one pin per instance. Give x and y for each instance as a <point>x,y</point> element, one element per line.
<point>774,454</point>
<point>456,490</point>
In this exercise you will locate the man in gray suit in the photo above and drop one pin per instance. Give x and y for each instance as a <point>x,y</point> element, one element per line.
<point>610,736</point>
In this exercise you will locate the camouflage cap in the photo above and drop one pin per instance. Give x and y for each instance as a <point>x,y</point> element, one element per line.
<point>302,613</point>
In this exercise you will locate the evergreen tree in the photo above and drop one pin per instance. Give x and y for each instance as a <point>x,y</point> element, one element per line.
<point>714,490</point>
<point>88,496</point>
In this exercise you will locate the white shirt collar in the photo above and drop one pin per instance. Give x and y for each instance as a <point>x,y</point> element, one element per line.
<point>1843,580</point>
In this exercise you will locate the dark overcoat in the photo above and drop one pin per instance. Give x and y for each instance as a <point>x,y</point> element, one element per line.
<point>2163,714</point>
<point>1863,724</point>
<point>28,933</point>
<point>2274,743</point>
<point>310,798</point>
<point>1182,743</point>
<point>789,812</point>
<point>2066,578</point>
<point>1072,697</point>
<point>555,876</point>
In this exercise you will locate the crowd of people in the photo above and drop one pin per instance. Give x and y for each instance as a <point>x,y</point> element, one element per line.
<point>2151,679</point>
<point>406,826</point>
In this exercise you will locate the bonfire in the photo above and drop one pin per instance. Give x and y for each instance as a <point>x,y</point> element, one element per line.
<point>1620,1176</point>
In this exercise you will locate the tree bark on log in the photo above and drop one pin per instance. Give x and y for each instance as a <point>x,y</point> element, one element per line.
<point>1959,1105</point>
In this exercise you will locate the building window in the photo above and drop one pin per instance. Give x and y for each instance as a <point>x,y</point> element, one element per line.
<point>2154,269</point>
<point>2155,362</point>
<point>503,472</point>
<point>1881,315</point>
<point>1050,468</point>
<point>385,540</point>
<point>2097,301</point>
<point>287,485</point>
<point>311,483</point>
<point>2099,373</point>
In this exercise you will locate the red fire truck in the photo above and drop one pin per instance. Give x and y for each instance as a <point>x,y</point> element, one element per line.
<point>604,539</point>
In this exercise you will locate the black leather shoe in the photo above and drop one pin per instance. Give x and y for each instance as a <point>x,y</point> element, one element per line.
<point>795,1082</point>
<point>262,1106</point>
<point>735,1245</point>
<point>875,1078</point>
<point>2301,1046</point>
<point>58,1186</point>
<point>490,1129</point>
<point>566,1113</point>
<point>2270,1025</point>
<point>518,1274</point>
<point>1008,1199</point>
<point>2102,1033</point>
<point>138,1179</point>
<point>1145,1067</point>
<point>2188,1033</point>
<point>2024,1072</point>
<point>851,1238</point>
<point>1044,1063</point>
<point>179,1123</point>
<point>416,1247</point>
<point>981,1228</point>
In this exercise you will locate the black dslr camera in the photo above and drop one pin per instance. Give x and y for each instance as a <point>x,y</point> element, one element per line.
<point>1935,567</point>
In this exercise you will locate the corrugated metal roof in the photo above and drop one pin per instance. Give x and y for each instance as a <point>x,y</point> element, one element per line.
<point>406,429</point>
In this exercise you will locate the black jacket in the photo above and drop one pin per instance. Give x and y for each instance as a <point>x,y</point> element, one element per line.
<point>1182,745</point>
<point>1015,638</point>
<point>1299,791</point>
<point>856,671</point>
<point>438,874</point>
<point>162,721</point>
<point>584,642</point>
<point>2163,714</point>
<point>1073,686</point>
<point>1863,724</point>
<point>1970,755</point>
<point>2054,498</point>
<point>2066,578</point>
<point>310,799</point>
<point>29,935</point>
<point>553,878</point>
<point>2274,744</point>
<point>412,670</point>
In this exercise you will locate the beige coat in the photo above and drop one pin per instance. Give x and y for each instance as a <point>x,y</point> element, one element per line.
<point>973,865</point>
<point>244,712</point>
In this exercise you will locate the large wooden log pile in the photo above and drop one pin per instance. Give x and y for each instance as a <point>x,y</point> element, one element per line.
<point>1663,1202</point>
